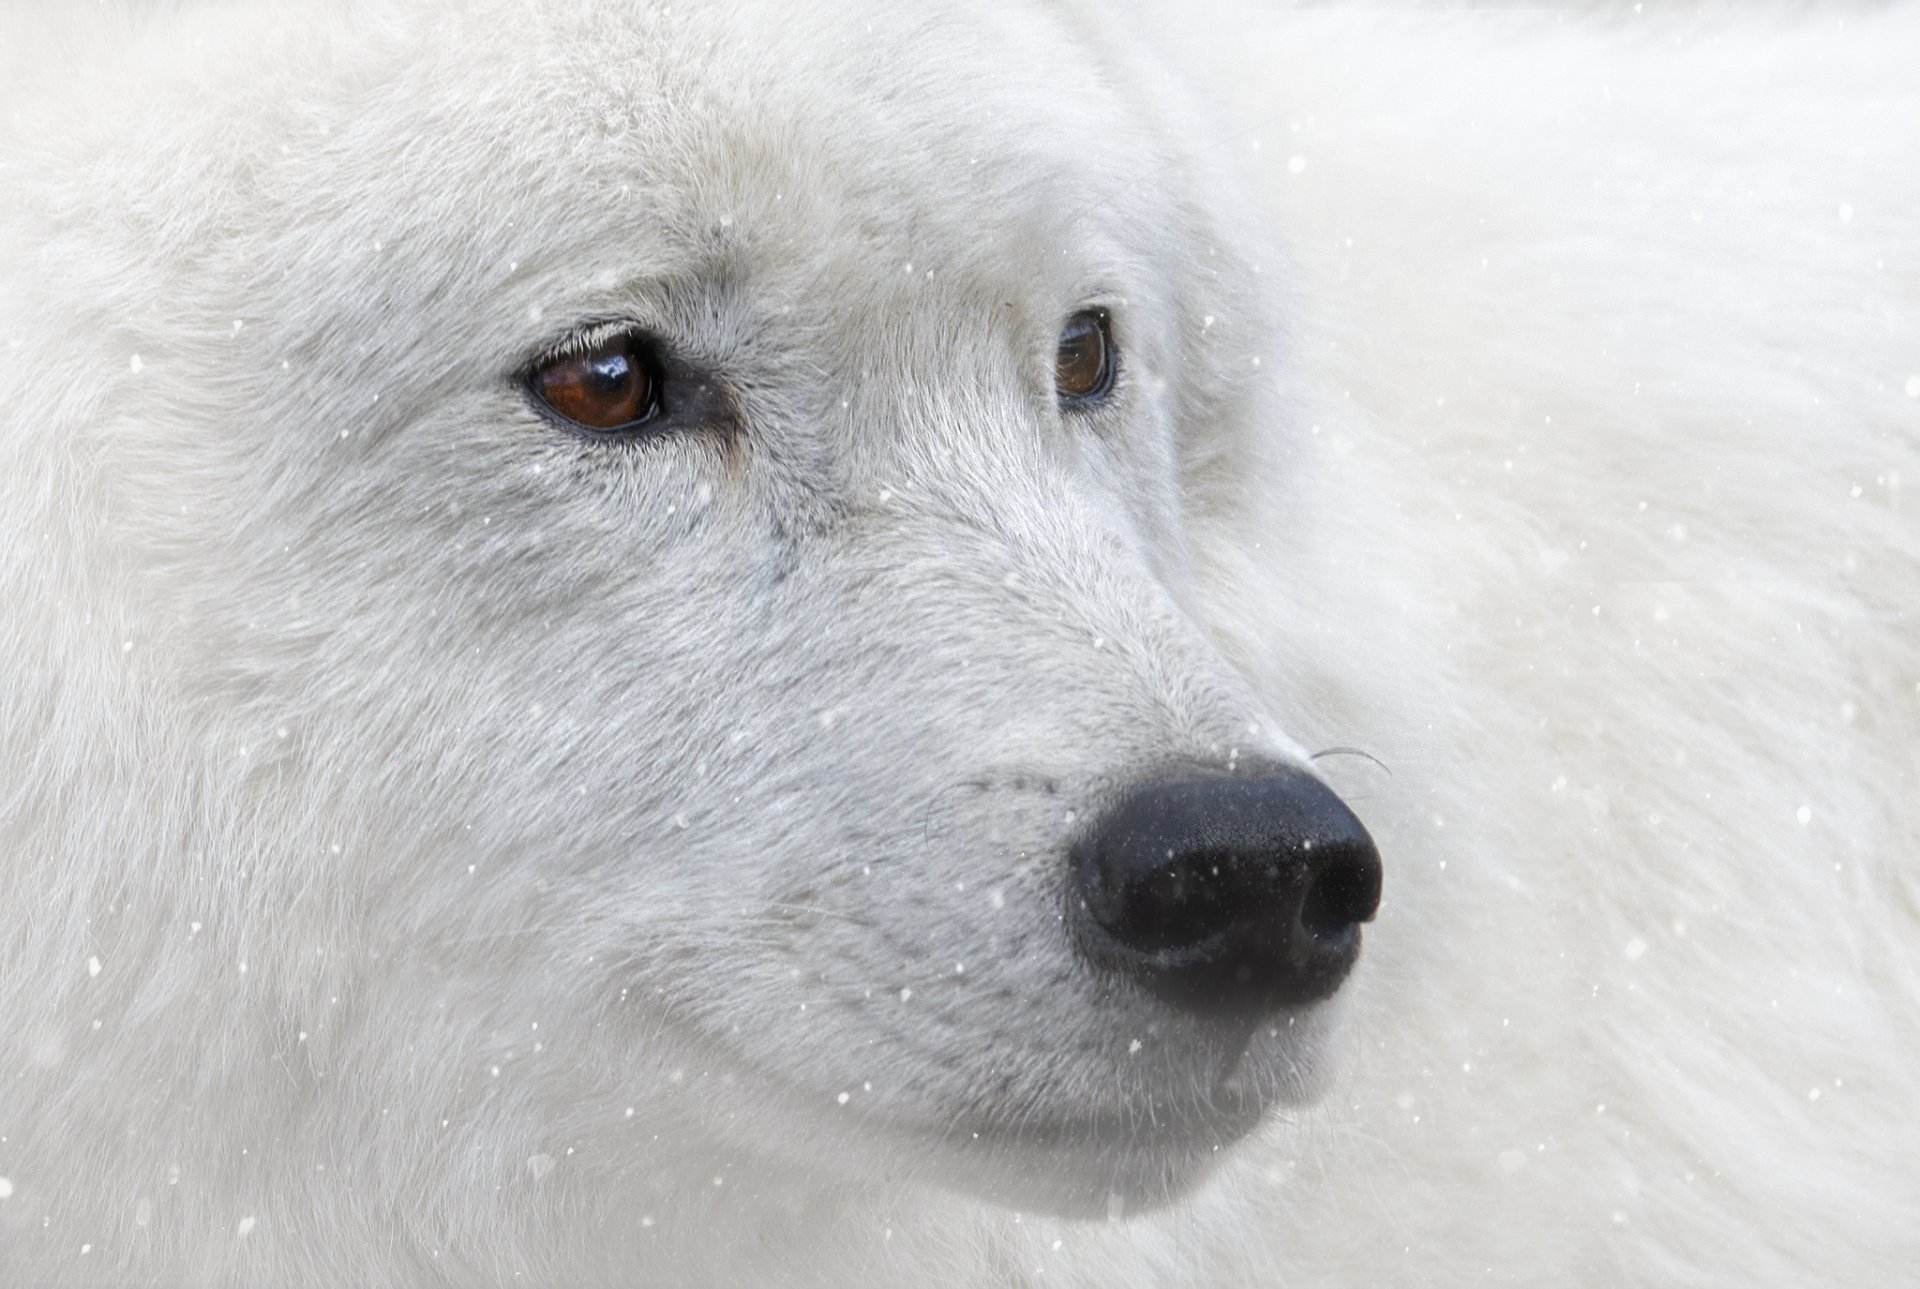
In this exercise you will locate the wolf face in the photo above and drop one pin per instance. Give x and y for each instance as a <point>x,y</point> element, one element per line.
<point>703,776</point>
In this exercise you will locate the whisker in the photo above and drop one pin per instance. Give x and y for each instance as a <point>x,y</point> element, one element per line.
<point>1351,751</point>
<point>933,802</point>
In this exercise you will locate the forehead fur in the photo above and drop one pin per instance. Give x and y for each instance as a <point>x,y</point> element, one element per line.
<point>676,119</point>
<point>498,172</point>
<point>521,151</point>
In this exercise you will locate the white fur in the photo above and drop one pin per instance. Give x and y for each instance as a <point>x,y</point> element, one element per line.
<point>437,850</point>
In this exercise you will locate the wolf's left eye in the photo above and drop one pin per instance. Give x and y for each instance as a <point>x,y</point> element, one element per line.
<point>1083,365</point>
<point>610,386</point>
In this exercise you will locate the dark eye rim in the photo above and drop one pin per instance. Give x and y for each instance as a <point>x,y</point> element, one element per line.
<point>1110,371</point>
<point>583,339</point>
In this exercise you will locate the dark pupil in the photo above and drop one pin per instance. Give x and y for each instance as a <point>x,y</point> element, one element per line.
<point>611,374</point>
<point>1081,363</point>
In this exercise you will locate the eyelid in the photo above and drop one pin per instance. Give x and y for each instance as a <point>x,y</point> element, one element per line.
<point>589,336</point>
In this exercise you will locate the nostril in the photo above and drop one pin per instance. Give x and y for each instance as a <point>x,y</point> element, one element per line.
<point>1172,905</point>
<point>1345,891</point>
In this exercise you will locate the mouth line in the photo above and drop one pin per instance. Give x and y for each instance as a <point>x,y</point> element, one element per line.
<point>1182,1116</point>
<point>1157,1123</point>
<point>1168,1121</point>
<point>1222,1109</point>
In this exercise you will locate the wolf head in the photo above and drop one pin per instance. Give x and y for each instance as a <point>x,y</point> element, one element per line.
<point>738,780</point>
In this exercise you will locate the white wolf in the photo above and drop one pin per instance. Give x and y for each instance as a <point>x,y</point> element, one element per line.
<point>692,643</point>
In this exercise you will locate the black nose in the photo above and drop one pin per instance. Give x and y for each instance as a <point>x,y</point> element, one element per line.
<point>1227,894</point>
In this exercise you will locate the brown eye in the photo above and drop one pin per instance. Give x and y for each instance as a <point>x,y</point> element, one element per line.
<point>1083,366</point>
<point>613,384</point>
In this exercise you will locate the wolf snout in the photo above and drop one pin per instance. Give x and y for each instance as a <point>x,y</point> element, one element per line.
<point>1234,895</point>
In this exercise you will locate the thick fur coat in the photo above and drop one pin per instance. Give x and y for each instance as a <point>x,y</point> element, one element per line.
<point>438,847</point>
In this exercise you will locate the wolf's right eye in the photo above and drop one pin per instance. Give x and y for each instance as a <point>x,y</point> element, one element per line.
<point>1083,365</point>
<point>610,385</point>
